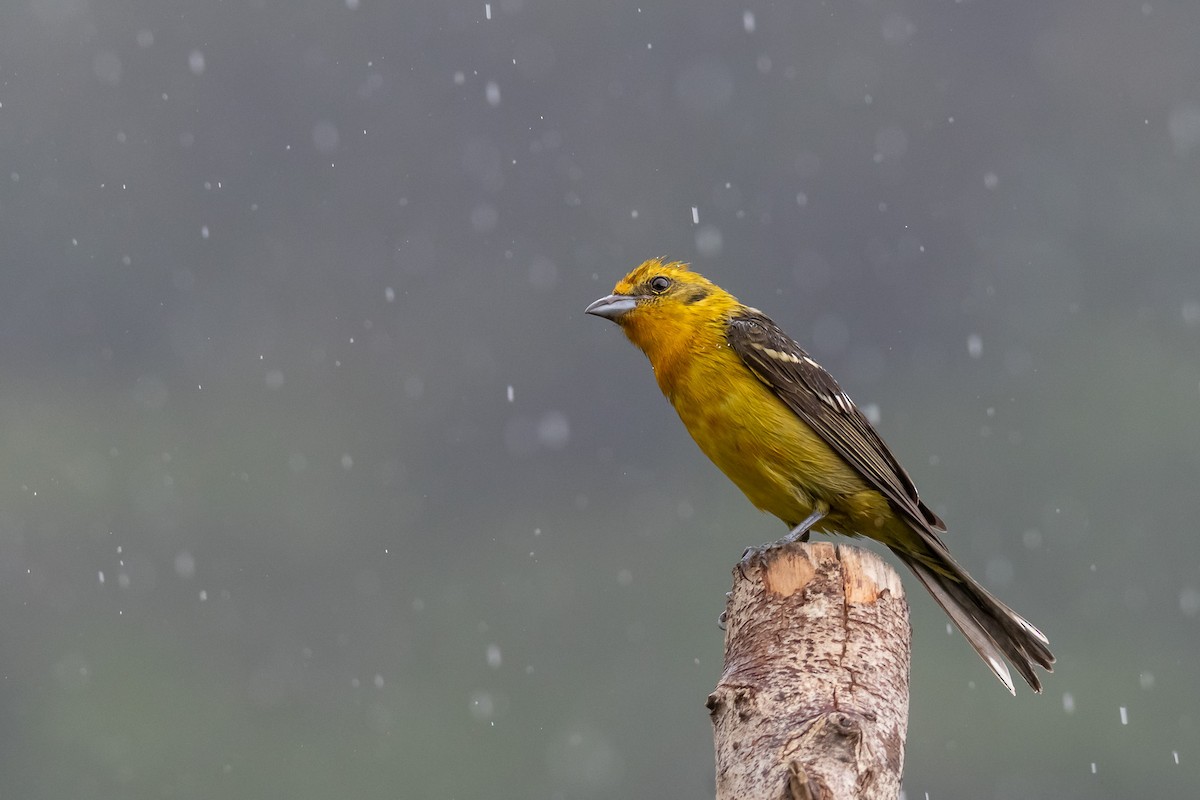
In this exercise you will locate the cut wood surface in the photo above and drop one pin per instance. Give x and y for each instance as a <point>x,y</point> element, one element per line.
<point>813,699</point>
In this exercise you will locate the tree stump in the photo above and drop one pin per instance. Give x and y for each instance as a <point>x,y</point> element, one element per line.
<point>813,700</point>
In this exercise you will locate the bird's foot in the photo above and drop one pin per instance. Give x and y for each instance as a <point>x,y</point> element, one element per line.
<point>792,538</point>
<point>751,554</point>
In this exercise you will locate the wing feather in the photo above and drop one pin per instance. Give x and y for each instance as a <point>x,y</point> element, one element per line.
<point>816,398</point>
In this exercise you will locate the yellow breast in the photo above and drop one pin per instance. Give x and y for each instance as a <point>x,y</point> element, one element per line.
<point>776,459</point>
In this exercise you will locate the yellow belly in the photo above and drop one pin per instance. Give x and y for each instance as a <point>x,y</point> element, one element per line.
<point>772,455</point>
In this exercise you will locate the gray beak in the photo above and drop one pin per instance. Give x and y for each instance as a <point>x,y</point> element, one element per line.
<point>612,307</point>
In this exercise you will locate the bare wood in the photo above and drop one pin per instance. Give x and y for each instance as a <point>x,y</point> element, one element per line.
<point>813,700</point>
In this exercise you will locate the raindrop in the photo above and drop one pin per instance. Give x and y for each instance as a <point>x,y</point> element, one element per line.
<point>185,564</point>
<point>196,62</point>
<point>553,430</point>
<point>482,705</point>
<point>1189,602</point>
<point>872,413</point>
<point>708,241</point>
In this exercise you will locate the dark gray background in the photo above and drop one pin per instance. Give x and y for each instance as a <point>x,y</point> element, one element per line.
<point>271,524</point>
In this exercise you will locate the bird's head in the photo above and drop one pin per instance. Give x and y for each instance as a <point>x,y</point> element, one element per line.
<point>660,302</point>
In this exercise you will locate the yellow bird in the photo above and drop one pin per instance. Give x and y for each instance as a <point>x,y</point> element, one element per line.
<point>779,426</point>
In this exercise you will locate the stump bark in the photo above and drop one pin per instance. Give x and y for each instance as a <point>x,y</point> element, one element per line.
<point>813,699</point>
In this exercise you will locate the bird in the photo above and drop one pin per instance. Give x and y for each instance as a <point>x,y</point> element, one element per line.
<point>782,429</point>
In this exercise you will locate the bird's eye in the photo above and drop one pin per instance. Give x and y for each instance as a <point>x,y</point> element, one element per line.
<point>660,284</point>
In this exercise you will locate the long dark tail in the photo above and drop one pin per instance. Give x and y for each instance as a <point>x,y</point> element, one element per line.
<point>993,629</point>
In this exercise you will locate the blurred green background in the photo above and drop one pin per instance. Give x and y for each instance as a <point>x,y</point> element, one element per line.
<point>315,481</point>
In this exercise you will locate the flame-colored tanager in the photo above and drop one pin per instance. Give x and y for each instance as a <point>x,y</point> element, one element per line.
<point>779,426</point>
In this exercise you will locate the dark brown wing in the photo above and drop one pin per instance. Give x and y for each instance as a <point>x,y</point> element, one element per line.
<point>814,396</point>
<point>992,628</point>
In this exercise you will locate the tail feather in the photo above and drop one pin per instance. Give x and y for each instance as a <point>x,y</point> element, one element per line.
<point>992,628</point>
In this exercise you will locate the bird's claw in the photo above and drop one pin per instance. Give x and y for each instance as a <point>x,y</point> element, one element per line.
<point>751,555</point>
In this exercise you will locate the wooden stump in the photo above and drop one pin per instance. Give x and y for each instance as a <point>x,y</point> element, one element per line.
<point>813,700</point>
